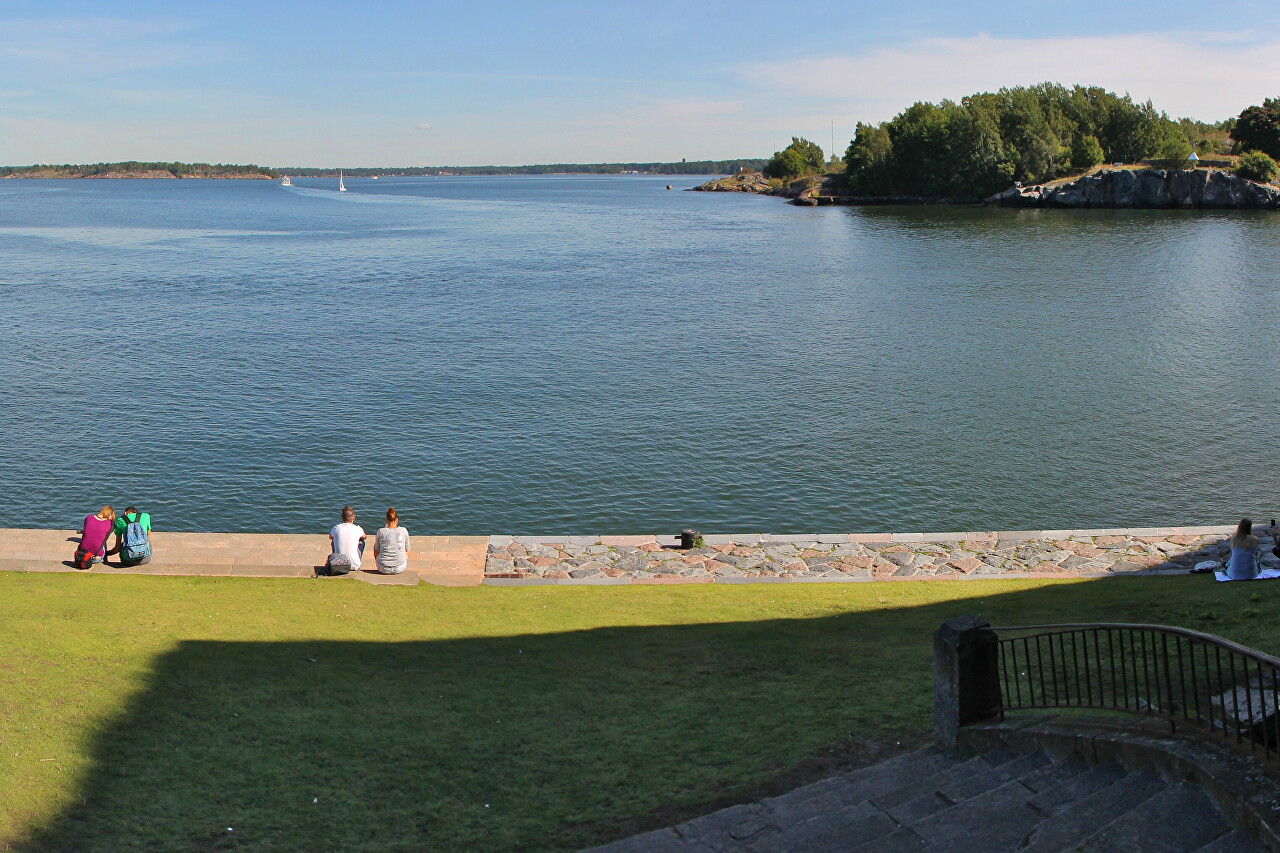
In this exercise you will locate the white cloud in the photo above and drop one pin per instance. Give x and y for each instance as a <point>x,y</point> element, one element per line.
<point>1206,75</point>
<point>424,126</point>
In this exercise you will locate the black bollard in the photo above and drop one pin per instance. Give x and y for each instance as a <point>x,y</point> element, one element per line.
<point>688,537</point>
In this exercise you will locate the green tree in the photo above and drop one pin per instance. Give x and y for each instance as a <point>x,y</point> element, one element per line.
<point>801,157</point>
<point>920,141</point>
<point>1258,129</point>
<point>810,152</point>
<point>1024,127</point>
<point>1130,131</point>
<point>1172,145</point>
<point>1257,166</point>
<point>977,158</point>
<point>787,163</point>
<point>866,162</point>
<point>1086,152</point>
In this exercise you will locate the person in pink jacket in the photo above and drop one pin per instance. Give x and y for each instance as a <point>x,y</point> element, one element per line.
<point>93,541</point>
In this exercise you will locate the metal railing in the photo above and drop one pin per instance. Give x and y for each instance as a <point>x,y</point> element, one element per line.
<point>1184,677</point>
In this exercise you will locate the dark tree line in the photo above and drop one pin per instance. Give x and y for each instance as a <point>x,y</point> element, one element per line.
<point>987,141</point>
<point>1258,129</point>
<point>179,170</point>
<point>691,167</point>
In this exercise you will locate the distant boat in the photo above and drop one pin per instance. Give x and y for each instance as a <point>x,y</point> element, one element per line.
<point>341,187</point>
<point>285,182</point>
<point>375,177</point>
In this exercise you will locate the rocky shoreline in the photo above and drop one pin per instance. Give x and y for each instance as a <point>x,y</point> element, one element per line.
<point>813,191</point>
<point>1147,189</point>
<point>1185,189</point>
<point>856,557</point>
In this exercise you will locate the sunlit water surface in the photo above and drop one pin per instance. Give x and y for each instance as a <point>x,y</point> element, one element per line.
<point>599,354</point>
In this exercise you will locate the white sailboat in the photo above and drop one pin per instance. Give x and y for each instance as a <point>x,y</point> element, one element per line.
<point>341,187</point>
<point>285,182</point>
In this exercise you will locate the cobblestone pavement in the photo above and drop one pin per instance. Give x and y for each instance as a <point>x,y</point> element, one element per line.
<point>856,557</point>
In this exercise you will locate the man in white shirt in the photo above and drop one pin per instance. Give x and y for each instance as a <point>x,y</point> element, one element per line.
<point>348,538</point>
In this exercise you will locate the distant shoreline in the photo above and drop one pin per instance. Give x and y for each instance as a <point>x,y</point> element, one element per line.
<point>135,176</point>
<point>149,170</point>
<point>140,170</point>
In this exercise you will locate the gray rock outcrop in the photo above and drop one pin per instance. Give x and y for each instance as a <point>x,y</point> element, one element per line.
<point>804,191</point>
<point>743,182</point>
<point>1195,189</point>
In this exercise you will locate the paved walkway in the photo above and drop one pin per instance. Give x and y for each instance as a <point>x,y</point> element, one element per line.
<point>440,560</point>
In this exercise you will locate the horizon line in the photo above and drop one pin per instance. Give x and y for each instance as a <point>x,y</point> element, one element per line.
<point>385,167</point>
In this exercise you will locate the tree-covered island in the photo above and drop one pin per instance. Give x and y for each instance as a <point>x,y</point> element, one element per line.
<point>985,142</point>
<point>139,169</point>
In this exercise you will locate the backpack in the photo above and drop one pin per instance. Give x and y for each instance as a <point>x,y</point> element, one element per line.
<point>135,545</point>
<point>83,559</point>
<point>337,564</point>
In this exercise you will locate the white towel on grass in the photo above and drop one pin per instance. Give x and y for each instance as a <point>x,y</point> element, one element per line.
<point>1264,575</point>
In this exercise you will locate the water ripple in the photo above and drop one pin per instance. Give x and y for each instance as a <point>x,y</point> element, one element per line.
<point>599,354</point>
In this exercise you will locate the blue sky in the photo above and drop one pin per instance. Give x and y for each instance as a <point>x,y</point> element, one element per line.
<point>417,83</point>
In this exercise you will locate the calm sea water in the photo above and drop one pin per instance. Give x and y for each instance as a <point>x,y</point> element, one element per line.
<point>598,354</point>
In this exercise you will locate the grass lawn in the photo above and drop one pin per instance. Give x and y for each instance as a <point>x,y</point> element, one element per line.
<point>148,713</point>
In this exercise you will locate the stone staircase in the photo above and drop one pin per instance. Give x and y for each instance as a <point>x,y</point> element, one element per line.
<point>1000,801</point>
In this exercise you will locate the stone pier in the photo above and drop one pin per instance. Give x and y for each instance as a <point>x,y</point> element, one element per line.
<point>656,559</point>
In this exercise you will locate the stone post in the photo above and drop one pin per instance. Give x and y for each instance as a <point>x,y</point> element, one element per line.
<point>966,679</point>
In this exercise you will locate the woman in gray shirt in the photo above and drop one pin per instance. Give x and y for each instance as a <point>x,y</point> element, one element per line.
<point>391,546</point>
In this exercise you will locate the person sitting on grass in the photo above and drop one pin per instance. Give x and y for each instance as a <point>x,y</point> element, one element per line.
<point>1243,564</point>
<point>133,537</point>
<point>391,546</point>
<point>348,543</point>
<point>93,538</point>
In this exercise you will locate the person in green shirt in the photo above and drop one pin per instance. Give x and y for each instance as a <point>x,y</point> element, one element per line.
<point>121,527</point>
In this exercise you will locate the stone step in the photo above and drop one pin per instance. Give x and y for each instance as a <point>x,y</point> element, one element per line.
<point>931,801</point>
<point>914,787</point>
<point>820,800</point>
<point>995,820</point>
<point>1054,774</point>
<point>962,784</point>
<point>1236,841</point>
<point>728,828</point>
<point>829,833</point>
<point>902,772</point>
<point>1077,821</point>
<point>901,840</point>
<point>1179,819</point>
<point>1058,797</point>
<point>658,841</point>
<point>961,790</point>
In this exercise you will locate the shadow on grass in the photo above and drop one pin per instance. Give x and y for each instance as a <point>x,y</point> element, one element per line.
<point>535,742</point>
